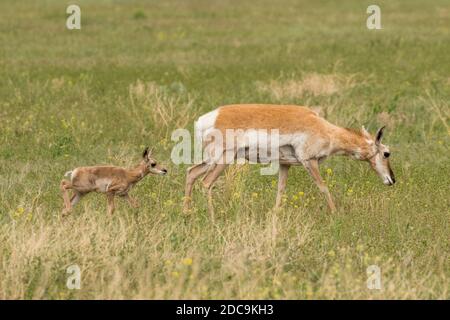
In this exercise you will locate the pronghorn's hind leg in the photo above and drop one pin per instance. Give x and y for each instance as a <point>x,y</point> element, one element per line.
<point>208,183</point>
<point>192,174</point>
<point>282,179</point>
<point>64,186</point>
<point>313,168</point>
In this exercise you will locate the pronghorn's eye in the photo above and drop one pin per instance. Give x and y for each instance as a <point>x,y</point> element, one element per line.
<point>386,154</point>
<point>153,164</point>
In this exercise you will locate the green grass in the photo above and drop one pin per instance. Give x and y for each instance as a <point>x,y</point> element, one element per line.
<point>93,96</point>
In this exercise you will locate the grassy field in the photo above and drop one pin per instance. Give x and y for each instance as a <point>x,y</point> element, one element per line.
<point>137,70</point>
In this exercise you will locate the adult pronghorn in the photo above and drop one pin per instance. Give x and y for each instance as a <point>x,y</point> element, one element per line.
<point>309,137</point>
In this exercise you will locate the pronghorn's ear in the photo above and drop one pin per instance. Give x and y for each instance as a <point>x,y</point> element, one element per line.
<point>365,132</point>
<point>379,135</point>
<point>145,154</point>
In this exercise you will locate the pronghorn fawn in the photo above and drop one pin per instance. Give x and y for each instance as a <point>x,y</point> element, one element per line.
<point>110,180</point>
<point>304,138</point>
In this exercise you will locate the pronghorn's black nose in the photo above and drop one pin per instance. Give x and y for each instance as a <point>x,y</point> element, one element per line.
<point>164,170</point>
<point>391,181</point>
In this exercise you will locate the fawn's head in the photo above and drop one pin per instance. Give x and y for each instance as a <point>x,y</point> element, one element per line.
<point>150,164</point>
<point>379,157</point>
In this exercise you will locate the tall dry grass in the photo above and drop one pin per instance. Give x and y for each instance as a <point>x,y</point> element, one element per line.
<point>311,84</point>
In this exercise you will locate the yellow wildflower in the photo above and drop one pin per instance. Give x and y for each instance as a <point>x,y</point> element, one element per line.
<point>19,212</point>
<point>187,261</point>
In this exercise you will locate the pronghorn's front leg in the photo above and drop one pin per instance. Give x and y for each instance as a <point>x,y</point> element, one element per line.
<point>282,179</point>
<point>312,166</point>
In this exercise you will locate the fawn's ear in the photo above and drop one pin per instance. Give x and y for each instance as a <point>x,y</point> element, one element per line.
<point>365,133</point>
<point>379,135</point>
<point>145,154</point>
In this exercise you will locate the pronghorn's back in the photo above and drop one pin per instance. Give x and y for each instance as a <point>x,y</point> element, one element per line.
<point>286,118</point>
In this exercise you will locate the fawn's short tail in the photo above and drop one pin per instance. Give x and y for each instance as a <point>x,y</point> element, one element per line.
<point>68,174</point>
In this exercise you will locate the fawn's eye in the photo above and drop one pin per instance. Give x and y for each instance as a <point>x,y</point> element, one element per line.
<point>386,154</point>
<point>153,164</point>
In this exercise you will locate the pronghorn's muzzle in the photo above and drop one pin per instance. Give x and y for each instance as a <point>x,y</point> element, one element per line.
<point>389,181</point>
<point>391,178</point>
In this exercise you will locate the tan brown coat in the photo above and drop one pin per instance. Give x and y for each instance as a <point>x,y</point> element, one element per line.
<point>110,180</point>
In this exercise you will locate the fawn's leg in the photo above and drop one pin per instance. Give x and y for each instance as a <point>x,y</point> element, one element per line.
<point>65,185</point>
<point>208,183</point>
<point>193,173</point>
<point>313,168</point>
<point>111,206</point>
<point>282,179</point>
<point>75,198</point>
<point>132,201</point>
